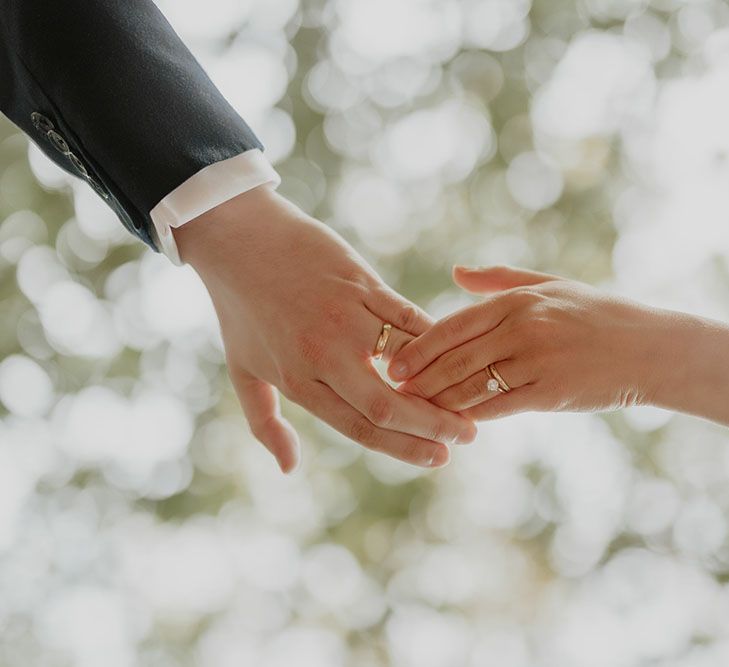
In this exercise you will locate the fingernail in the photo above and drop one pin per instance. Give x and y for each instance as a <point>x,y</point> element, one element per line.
<point>440,458</point>
<point>467,436</point>
<point>399,370</point>
<point>291,469</point>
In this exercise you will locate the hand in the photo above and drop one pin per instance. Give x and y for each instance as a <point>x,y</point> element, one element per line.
<point>301,312</point>
<point>559,344</point>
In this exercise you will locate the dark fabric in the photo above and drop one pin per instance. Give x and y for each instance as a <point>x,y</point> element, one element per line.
<point>117,83</point>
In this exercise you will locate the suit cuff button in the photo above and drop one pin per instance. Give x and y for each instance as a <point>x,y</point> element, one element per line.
<point>98,188</point>
<point>78,165</point>
<point>59,143</point>
<point>40,122</point>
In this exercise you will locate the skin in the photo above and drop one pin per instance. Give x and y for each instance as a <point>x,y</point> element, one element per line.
<point>562,345</point>
<point>300,313</point>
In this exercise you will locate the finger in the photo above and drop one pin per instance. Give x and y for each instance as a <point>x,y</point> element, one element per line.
<point>398,340</point>
<point>452,331</point>
<point>389,306</point>
<point>362,338</point>
<point>326,404</point>
<point>457,365</point>
<point>361,387</point>
<point>260,404</point>
<point>365,336</point>
<point>480,280</point>
<point>528,397</point>
<point>475,389</point>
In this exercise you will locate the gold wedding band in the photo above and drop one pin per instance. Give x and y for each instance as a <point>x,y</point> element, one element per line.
<point>496,382</point>
<point>382,341</point>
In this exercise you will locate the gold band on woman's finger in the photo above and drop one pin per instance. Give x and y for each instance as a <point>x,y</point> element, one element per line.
<point>496,382</point>
<point>382,341</point>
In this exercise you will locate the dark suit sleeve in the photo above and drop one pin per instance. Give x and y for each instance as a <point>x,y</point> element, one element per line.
<point>108,90</point>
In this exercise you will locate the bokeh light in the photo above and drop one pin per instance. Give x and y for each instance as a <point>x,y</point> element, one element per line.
<point>141,524</point>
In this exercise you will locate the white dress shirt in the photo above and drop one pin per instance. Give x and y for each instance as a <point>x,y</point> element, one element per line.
<point>210,187</point>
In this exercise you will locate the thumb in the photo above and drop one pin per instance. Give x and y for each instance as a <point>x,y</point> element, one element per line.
<point>486,279</point>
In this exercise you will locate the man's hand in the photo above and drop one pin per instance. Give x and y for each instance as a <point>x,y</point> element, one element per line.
<point>301,312</point>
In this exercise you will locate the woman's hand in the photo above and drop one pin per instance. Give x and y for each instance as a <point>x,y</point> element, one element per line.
<point>558,344</point>
<point>301,312</point>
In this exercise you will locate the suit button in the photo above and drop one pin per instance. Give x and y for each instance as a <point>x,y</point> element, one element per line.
<point>80,167</point>
<point>41,122</point>
<point>98,188</point>
<point>58,142</point>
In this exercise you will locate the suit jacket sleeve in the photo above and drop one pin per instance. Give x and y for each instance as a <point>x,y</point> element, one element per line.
<point>108,90</point>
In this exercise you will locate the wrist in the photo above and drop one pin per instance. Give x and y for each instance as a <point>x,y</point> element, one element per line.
<point>664,345</point>
<point>695,367</point>
<point>232,229</point>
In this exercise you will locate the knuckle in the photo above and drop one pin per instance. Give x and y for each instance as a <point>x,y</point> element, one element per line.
<point>418,388</point>
<point>261,430</point>
<point>526,298</point>
<point>358,430</point>
<point>334,313</point>
<point>457,367</point>
<point>256,430</point>
<point>454,327</point>
<point>444,400</point>
<point>412,451</point>
<point>380,411</point>
<point>362,431</point>
<point>310,348</point>
<point>523,325</point>
<point>439,432</point>
<point>406,317</point>
<point>472,390</point>
<point>449,401</point>
<point>355,278</point>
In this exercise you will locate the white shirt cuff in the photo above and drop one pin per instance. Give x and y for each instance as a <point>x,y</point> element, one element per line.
<point>210,187</point>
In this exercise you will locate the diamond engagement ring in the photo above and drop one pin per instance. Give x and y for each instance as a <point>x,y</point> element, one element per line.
<point>495,381</point>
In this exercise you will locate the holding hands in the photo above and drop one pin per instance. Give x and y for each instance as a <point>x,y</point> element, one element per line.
<point>301,314</point>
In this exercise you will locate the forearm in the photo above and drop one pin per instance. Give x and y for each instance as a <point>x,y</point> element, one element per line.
<point>694,377</point>
<point>131,109</point>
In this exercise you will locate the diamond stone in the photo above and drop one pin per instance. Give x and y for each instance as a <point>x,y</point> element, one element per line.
<point>492,385</point>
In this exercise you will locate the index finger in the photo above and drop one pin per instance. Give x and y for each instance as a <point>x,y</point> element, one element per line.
<point>361,387</point>
<point>452,331</point>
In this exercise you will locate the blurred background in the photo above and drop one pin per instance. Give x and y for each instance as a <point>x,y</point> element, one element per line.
<point>140,524</point>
